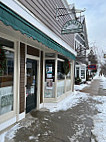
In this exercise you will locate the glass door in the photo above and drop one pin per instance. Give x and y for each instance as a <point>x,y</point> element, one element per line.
<point>31,87</point>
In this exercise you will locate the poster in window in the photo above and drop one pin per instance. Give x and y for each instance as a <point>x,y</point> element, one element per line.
<point>49,84</point>
<point>49,68</point>
<point>49,75</point>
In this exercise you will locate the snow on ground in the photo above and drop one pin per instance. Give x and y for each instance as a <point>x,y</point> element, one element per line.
<point>100,119</point>
<point>97,75</point>
<point>80,87</point>
<point>72,100</point>
<point>79,132</point>
<point>103,81</point>
<point>11,133</point>
<point>2,137</point>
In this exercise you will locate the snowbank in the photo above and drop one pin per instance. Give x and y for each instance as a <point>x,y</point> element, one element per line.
<point>80,87</point>
<point>72,100</point>
<point>2,137</point>
<point>100,119</point>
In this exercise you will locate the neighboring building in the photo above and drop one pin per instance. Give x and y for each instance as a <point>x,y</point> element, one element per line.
<point>80,71</point>
<point>33,52</point>
<point>81,45</point>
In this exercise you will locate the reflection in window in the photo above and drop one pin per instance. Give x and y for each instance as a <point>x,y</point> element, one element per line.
<point>60,71</point>
<point>61,79</point>
<point>6,80</point>
<point>68,81</point>
<point>69,75</point>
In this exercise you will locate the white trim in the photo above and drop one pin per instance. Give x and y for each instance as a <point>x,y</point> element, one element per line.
<point>55,87</point>
<point>26,14</point>
<point>41,105</point>
<point>32,57</point>
<point>21,116</point>
<point>12,114</point>
<point>8,48</point>
<point>58,59</point>
<point>18,80</point>
<point>7,123</point>
<point>43,75</point>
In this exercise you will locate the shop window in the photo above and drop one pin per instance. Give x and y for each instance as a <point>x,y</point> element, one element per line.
<point>82,74</point>
<point>60,71</point>
<point>49,78</point>
<point>68,81</point>
<point>6,78</point>
<point>61,79</point>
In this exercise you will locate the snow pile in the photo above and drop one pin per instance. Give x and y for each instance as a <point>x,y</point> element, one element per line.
<point>72,100</point>
<point>8,135</point>
<point>100,119</point>
<point>103,82</point>
<point>2,137</point>
<point>80,87</point>
<point>11,133</point>
<point>97,75</point>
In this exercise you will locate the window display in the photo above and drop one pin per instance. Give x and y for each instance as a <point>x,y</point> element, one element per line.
<point>6,80</point>
<point>49,78</point>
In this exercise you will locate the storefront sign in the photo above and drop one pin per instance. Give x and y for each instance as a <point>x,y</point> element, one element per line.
<point>92,67</point>
<point>72,26</point>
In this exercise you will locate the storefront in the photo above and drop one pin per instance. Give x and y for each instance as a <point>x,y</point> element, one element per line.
<point>31,68</point>
<point>19,78</point>
<point>57,83</point>
<point>80,72</point>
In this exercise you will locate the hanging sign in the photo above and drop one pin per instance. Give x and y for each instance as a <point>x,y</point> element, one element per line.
<point>71,27</point>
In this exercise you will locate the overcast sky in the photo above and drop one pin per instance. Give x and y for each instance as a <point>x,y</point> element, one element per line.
<point>96,20</point>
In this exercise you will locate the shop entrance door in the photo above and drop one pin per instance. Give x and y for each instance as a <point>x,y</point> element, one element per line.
<point>31,87</point>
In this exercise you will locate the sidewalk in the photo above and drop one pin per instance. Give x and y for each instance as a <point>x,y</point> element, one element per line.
<point>73,125</point>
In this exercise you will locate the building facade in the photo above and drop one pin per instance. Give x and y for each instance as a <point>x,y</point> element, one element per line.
<point>32,57</point>
<point>81,46</point>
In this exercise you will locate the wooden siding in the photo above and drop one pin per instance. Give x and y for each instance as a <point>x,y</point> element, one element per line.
<point>45,11</point>
<point>22,77</point>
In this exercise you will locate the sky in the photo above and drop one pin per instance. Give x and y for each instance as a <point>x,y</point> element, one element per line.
<point>96,21</point>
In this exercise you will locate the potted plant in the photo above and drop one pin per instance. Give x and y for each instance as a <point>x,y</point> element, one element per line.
<point>77,80</point>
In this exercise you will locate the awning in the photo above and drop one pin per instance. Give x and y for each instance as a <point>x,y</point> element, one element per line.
<point>10,18</point>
